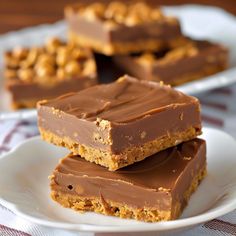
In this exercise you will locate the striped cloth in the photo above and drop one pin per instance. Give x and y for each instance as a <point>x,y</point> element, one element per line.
<point>218,110</point>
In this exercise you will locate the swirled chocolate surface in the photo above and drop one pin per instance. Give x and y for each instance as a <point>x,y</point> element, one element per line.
<point>122,102</point>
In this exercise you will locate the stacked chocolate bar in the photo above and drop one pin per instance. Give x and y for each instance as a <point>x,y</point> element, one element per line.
<point>134,146</point>
<point>144,42</point>
<point>134,149</point>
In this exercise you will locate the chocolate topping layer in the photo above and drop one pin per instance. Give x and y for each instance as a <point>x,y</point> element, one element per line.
<point>122,114</point>
<point>159,181</point>
<point>95,30</point>
<point>122,102</point>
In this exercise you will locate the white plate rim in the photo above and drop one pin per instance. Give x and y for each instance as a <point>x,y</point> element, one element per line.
<point>159,226</point>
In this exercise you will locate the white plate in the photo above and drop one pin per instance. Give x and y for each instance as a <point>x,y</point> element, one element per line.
<point>197,21</point>
<point>24,189</point>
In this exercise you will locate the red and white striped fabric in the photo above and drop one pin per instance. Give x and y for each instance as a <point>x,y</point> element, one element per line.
<point>218,110</point>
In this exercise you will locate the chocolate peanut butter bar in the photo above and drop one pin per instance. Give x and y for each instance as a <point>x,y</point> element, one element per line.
<point>121,27</point>
<point>155,189</point>
<point>36,73</point>
<point>117,124</point>
<point>195,60</point>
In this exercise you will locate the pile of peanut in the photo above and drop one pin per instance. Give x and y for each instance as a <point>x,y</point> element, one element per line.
<point>54,62</point>
<point>188,50</point>
<point>122,13</point>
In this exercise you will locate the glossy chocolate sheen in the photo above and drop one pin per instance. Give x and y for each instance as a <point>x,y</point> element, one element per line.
<point>158,181</point>
<point>128,107</point>
<point>209,54</point>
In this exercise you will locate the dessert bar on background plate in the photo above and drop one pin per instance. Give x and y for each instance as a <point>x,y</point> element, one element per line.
<point>122,27</point>
<point>195,60</point>
<point>37,73</point>
<point>152,190</point>
<point>120,123</point>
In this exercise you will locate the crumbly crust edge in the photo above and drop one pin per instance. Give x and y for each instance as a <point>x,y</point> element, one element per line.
<point>127,157</point>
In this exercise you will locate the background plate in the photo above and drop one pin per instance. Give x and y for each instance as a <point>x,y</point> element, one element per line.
<point>24,189</point>
<point>197,21</point>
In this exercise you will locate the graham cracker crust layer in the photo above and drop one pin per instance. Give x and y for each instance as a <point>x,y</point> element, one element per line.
<point>124,47</point>
<point>108,207</point>
<point>129,156</point>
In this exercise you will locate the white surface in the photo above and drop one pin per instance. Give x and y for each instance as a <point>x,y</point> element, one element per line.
<point>24,189</point>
